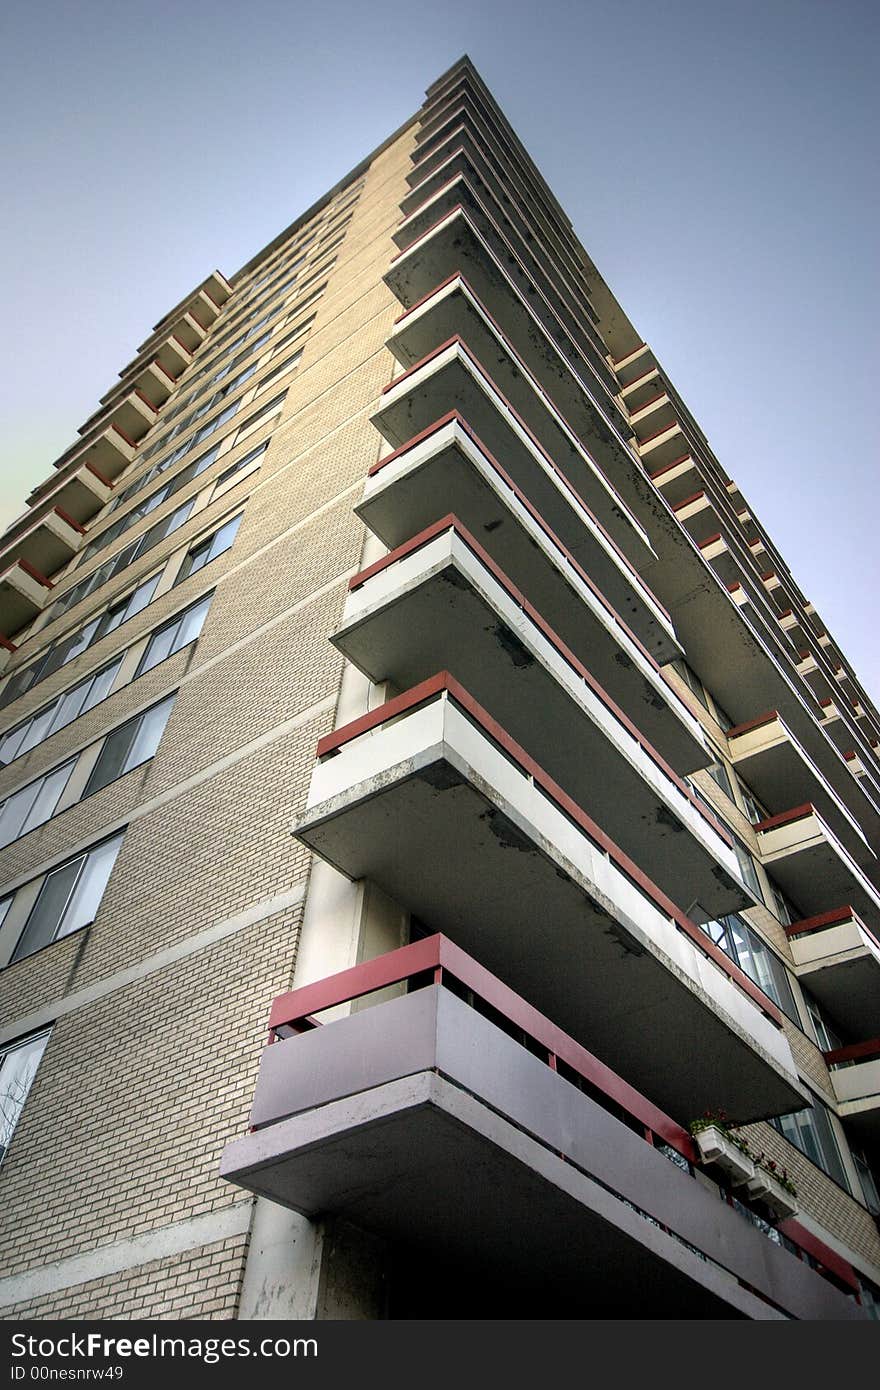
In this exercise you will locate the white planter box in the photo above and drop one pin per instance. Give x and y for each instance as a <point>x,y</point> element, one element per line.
<point>767,1189</point>
<point>716,1148</point>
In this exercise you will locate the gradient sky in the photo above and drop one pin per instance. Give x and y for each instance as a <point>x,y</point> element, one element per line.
<point>718,160</point>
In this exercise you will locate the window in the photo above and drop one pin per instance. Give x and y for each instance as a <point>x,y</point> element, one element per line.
<point>754,810</point>
<point>129,553</point>
<point>747,868</point>
<point>30,806</point>
<point>132,743</point>
<point>62,711</point>
<point>291,337</point>
<point>177,633</point>
<point>68,898</point>
<point>59,653</point>
<point>208,549</point>
<point>260,417</point>
<point>737,939</point>
<point>246,461</point>
<point>720,776</point>
<point>18,1067</point>
<point>825,1033</point>
<point>810,1131</point>
<point>281,370</point>
<point>867,1180</point>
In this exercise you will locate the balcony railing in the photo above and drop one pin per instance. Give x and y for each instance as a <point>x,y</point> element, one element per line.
<point>430,797</point>
<point>534,1153</point>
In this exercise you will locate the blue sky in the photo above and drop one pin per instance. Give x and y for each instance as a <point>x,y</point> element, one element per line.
<point>718,161</point>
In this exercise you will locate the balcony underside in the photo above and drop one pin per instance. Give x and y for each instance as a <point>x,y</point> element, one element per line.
<point>425,1123</point>
<point>446,825</point>
<point>453,380</point>
<point>441,607</point>
<point>449,471</point>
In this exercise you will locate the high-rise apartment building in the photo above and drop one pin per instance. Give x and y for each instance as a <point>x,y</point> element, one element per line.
<point>392,646</point>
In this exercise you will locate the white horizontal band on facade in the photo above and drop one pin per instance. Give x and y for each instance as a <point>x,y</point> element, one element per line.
<point>124,1255</point>
<point>120,979</point>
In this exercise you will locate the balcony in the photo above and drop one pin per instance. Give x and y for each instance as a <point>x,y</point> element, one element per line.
<point>23,592</point>
<point>109,453</point>
<point>776,767</point>
<point>433,800</point>
<point>448,467</point>
<point>47,543</point>
<point>811,865</point>
<point>151,380</point>
<point>611,550</point>
<point>440,600</point>
<point>838,959</point>
<point>458,1119</point>
<point>453,311</point>
<point>855,1076</point>
<point>132,414</point>
<point>676,480</point>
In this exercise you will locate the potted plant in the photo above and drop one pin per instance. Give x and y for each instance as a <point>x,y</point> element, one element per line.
<point>723,1146</point>
<point>772,1186</point>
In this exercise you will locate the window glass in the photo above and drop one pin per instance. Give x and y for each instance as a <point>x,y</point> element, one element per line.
<point>18,1067</point>
<point>810,1131</point>
<point>208,549</point>
<point>173,635</point>
<point>69,897</point>
<point>80,698</point>
<point>129,745</point>
<point>744,946</point>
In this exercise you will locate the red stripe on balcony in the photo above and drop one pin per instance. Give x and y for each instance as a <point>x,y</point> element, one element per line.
<point>444,682</point>
<point>99,475</point>
<point>710,540</point>
<point>447,216</point>
<point>7,645</point>
<point>856,1052</point>
<point>667,429</point>
<point>438,952</point>
<point>456,275</point>
<point>828,1258</point>
<point>451,522</point>
<point>661,396</point>
<point>785,817</point>
<point>616,362</point>
<point>750,724</point>
<point>686,501</point>
<point>682,458</point>
<point>33,572</point>
<point>68,520</point>
<point>824,919</point>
